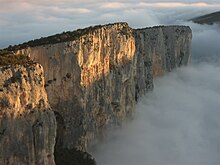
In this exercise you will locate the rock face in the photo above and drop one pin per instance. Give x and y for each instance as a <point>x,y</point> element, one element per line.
<point>159,50</point>
<point>90,81</point>
<point>73,157</point>
<point>94,81</point>
<point>27,123</point>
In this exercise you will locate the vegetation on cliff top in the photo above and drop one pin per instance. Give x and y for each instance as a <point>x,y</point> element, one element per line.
<point>12,59</point>
<point>57,38</point>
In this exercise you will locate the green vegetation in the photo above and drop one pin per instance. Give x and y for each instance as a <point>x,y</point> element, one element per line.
<point>4,103</point>
<point>5,52</point>
<point>57,38</point>
<point>12,59</point>
<point>8,56</point>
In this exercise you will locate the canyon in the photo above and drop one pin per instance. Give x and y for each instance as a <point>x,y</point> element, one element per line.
<point>80,88</point>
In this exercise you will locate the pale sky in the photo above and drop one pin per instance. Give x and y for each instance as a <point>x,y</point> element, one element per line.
<point>23,20</point>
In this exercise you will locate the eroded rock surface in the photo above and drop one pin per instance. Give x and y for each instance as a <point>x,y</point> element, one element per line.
<point>73,157</point>
<point>27,123</point>
<point>159,50</point>
<point>94,81</point>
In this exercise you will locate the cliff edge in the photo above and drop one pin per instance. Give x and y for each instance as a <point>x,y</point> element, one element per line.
<point>95,80</point>
<point>94,77</point>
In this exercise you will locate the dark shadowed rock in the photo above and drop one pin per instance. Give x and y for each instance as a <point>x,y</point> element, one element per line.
<point>208,19</point>
<point>73,157</point>
<point>93,81</point>
<point>101,74</point>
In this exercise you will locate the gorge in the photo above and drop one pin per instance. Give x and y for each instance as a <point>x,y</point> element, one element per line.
<point>90,83</point>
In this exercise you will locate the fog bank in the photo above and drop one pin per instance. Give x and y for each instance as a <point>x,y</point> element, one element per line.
<point>178,123</point>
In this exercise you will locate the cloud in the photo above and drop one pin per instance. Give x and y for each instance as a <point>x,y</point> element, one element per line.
<point>205,46</point>
<point>71,10</point>
<point>112,5</point>
<point>176,4</point>
<point>178,123</point>
<point>41,16</point>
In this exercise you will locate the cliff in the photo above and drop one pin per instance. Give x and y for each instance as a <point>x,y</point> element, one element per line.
<point>94,81</point>
<point>27,123</point>
<point>159,50</point>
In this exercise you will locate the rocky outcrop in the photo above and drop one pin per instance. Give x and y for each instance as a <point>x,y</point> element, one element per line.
<point>94,81</point>
<point>159,50</point>
<point>73,157</point>
<point>90,81</point>
<point>27,123</point>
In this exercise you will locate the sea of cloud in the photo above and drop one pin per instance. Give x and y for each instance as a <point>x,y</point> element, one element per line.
<point>178,123</point>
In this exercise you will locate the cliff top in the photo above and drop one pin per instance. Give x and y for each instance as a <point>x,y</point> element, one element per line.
<point>162,26</point>
<point>67,36</point>
<point>58,38</point>
<point>11,59</point>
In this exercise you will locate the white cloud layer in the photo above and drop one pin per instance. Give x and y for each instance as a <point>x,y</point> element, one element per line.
<point>177,124</point>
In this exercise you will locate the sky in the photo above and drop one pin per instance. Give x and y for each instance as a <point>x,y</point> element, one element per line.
<point>23,20</point>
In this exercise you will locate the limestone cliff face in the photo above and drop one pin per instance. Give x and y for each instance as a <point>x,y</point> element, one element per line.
<point>27,123</point>
<point>159,50</point>
<point>94,81</point>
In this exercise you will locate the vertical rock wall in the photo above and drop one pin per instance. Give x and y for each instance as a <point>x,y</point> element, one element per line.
<point>94,81</point>
<point>159,50</point>
<point>27,123</point>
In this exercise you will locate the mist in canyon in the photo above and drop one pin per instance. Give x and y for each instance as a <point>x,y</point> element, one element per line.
<point>178,123</point>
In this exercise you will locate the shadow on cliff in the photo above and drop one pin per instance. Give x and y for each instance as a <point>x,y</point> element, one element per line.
<point>108,101</point>
<point>90,121</point>
<point>65,156</point>
<point>96,90</point>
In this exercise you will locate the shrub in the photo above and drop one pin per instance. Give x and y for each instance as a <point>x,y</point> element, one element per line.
<point>11,59</point>
<point>4,103</point>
